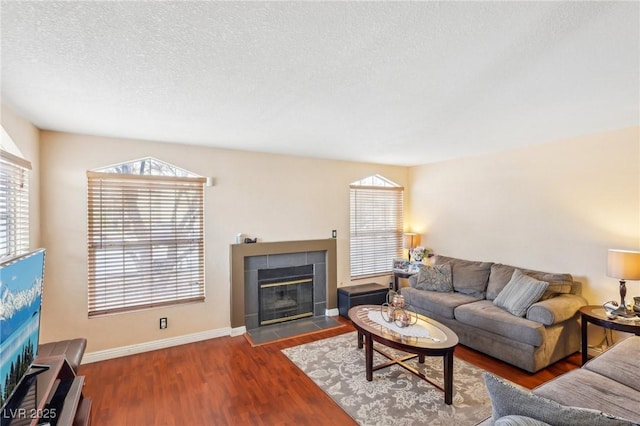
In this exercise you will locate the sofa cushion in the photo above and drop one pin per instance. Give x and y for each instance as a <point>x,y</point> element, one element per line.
<point>520,293</point>
<point>501,275</point>
<point>619,362</point>
<point>513,420</point>
<point>469,277</point>
<point>435,278</point>
<point>484,314</point>
<point>435,302</point>
<point>584,388</point>
<point>507,399</point>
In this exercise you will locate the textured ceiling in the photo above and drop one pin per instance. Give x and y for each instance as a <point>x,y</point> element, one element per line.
<point>387,82</point>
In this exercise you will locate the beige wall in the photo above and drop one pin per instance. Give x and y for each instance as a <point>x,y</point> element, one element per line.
<point>556,207</point>
<point>26,137</point>
<point>273,197</point>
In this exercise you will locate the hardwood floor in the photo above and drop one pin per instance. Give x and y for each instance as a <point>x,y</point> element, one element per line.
<point>225,381</point>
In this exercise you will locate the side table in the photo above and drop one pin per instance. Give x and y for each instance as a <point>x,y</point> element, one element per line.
<point>597,315</point>
<point>400,274</point>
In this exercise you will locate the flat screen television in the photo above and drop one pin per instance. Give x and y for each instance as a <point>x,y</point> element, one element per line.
<point>21,280</point>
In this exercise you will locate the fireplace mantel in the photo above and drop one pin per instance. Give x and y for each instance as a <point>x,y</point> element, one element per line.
<point>238,253</point>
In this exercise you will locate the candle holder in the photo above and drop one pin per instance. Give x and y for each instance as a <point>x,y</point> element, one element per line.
<point>397,311</point>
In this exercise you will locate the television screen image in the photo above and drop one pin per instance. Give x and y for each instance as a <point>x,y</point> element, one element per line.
<point>21,281</point>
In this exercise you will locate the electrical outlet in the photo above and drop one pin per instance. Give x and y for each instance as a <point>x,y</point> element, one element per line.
<point>334,233</point>
<point>163,323</point>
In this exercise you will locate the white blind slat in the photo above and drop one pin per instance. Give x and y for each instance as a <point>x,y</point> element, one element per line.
<point>14,204</point>
<point>376,229</point>
<point>146,241</point>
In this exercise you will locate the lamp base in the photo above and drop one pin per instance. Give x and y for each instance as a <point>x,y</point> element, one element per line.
<point>622,311</point>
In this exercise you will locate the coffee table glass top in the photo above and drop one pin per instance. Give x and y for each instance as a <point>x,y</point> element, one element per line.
<point>439,335</point>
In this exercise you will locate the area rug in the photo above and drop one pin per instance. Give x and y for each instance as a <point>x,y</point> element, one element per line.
<point>394,396</point>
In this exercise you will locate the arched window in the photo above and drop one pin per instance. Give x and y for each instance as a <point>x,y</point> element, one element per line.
<point>146,236</point>
<point>376,225</point>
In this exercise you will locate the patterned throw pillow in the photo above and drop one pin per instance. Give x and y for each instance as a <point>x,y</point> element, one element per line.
<point>512,420</point>
<point>435,278</point>
<point>468,276</point>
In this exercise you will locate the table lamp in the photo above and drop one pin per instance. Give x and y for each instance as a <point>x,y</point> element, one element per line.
<point>411,241</point>
<point>624,265</point>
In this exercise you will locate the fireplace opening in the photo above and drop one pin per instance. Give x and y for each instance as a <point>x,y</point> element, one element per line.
<point>285,294</point>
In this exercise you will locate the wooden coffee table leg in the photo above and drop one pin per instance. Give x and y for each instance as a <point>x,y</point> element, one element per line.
<point>448,378</point>
<point>421,358</point>
<point>359,340</point>
<point>368,356</point>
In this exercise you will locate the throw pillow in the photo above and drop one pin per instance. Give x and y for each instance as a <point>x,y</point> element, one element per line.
<point>435,278</point>
<point>501,275</point>
<point>520,293</point>
<point>507,400</point>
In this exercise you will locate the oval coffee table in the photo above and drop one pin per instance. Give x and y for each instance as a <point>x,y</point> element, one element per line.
<point>441,343</point>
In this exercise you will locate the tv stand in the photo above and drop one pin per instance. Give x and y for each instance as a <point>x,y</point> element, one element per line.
<point>54,397</point>
<point>36,369</point>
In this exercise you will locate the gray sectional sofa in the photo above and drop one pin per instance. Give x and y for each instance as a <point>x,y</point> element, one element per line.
<point>529,337</point>
<point>605,391</point>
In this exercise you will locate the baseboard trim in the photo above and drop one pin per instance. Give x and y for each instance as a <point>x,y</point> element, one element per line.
<point>238,331</point>
<point>154,345</point>
<point>334,312</point>
<point>106,354</point>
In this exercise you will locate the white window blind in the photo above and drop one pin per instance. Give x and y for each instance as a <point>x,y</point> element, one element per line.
<point>376,228</point>
<point>146,241</point>
<point>14,204</point>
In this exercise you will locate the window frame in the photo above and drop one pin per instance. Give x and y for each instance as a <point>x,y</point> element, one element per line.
<point>376,231</point>
<point>14,209</point>
<point>134,226</point>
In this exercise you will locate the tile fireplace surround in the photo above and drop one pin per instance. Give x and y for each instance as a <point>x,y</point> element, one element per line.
<point>243,256</point>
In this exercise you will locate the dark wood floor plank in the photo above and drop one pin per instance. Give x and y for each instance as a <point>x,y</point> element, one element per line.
<point>225,381</point>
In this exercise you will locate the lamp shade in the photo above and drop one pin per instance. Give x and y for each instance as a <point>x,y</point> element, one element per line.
<point>411,240</point>
<point>623,264</point>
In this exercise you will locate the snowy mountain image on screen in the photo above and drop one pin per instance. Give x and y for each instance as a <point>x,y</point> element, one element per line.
<point>16,306</point>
